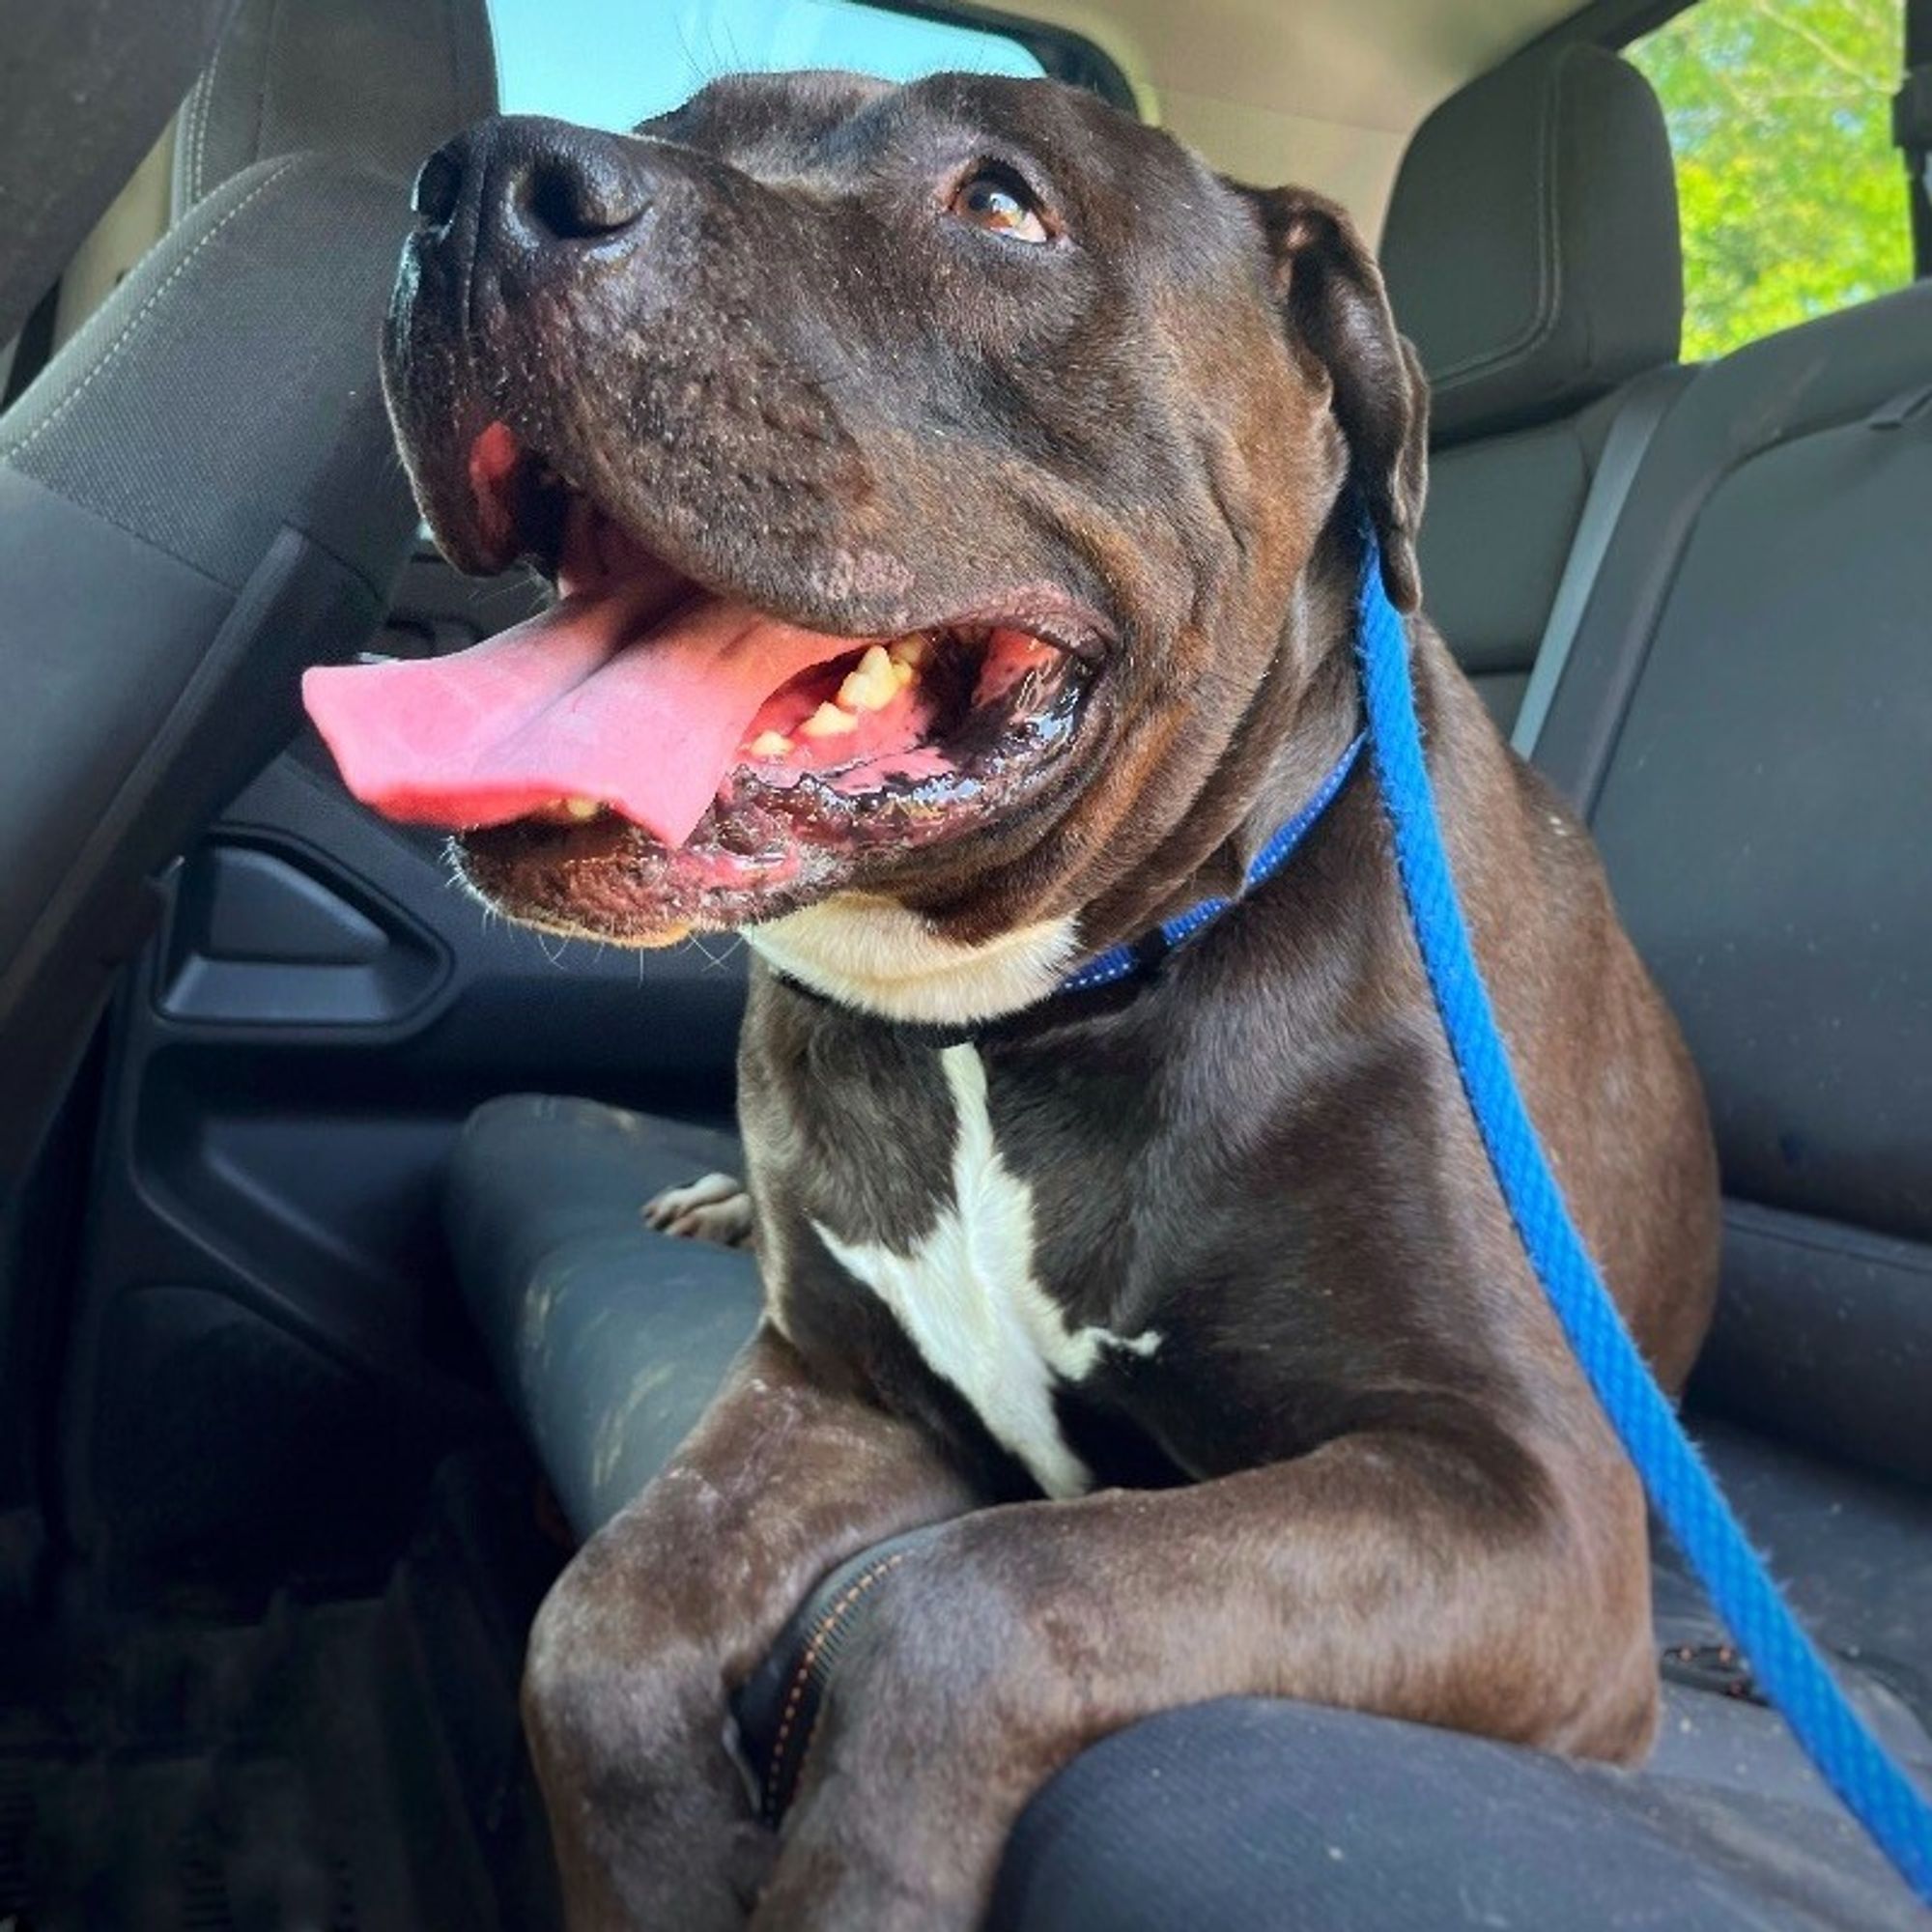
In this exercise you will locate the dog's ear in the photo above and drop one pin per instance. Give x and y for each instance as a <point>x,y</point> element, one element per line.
<point>1329,291</point>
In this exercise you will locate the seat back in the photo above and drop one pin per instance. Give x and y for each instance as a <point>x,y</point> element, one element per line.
<point>199,495</point>
<point>1747,719</point>
<point>1532,257</point>
<point>379,81</point>
<point>126,63</point>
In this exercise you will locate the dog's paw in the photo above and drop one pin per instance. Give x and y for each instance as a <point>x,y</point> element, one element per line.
<point>715,1208</point>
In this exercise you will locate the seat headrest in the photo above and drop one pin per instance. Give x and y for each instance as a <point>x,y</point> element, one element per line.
<point>1531,247</point>
<point>381,82</point>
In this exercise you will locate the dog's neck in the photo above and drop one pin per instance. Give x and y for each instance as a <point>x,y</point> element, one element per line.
<point>1302,717</point>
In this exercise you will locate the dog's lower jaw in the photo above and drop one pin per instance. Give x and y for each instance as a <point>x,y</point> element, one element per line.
<point>877,956</point>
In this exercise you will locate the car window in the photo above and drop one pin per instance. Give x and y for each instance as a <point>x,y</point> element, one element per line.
<point>1793,197</point>
<point>614,62</point>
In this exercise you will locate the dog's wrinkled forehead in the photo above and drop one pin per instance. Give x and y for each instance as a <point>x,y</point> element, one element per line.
<point>1113,181</point>
<point>772,123</point>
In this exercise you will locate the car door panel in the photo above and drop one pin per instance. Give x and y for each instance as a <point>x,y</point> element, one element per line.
<point>318,1010</point>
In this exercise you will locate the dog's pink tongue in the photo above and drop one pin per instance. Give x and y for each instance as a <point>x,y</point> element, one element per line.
<point>587,700</point>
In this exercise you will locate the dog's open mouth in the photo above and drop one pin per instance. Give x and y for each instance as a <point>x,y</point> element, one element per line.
<point>653,753</point>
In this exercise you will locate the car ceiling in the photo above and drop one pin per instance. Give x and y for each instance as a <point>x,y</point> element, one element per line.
<point>1321,92</point>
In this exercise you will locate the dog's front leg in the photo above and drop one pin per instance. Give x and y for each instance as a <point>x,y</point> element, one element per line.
<point>1447,1578</point>
<point>673,1604</point>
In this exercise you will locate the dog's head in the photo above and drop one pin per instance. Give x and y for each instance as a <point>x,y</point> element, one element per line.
<point>932,475</point>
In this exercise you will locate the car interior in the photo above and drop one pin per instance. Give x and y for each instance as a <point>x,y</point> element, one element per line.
<point>328,1323</point>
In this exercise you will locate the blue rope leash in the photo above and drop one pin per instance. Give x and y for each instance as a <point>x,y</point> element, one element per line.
<point>1784,1658</point>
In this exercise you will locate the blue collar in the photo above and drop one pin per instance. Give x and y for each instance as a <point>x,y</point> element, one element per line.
<point>1137,955</point>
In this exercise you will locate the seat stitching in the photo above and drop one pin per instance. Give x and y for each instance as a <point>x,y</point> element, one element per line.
<point>265,90</point>
<point>821,1633</point>
<point>186,136</point>
<point>198,186</point>
<point>191,110</point>
<point>1534,333</point>
<point>134,321</point>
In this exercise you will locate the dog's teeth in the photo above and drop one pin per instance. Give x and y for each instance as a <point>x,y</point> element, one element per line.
<point>769,744</point>
<point>912,650</point>
<point>828,721</point>
<point>581,808</point>
<point>873,685</point>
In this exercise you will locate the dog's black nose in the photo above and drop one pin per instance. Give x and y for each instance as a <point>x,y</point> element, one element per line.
<point>532,187</point>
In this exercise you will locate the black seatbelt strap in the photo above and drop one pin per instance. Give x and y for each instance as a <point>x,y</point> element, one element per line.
<point>1643,408</point>
<point>1912,128</point>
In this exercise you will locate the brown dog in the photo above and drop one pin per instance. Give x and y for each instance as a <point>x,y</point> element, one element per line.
<point>952,489</point>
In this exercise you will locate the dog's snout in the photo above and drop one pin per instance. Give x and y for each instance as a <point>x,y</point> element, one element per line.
<point>532,188</point>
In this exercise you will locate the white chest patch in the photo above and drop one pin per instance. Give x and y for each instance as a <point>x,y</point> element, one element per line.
<point>971,1304</point>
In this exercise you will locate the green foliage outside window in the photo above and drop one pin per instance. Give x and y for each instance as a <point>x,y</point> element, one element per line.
<point>1792,194</point>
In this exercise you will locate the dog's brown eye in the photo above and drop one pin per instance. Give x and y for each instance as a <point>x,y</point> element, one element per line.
<point>1000,205</point>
